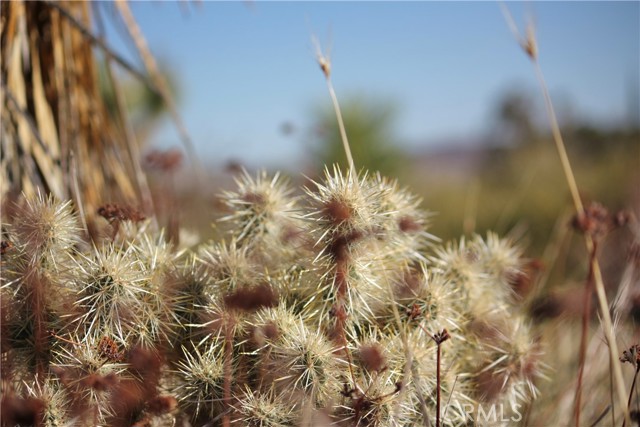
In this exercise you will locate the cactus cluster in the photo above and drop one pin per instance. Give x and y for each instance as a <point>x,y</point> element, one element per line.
<point>327,306</point>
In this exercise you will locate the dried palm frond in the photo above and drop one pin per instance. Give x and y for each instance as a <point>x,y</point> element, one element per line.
<point>57,132</point>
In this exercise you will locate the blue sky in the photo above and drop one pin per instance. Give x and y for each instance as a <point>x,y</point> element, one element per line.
<point>245,68</point>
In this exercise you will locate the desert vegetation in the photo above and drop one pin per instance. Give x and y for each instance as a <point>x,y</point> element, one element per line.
<point>319,301</point>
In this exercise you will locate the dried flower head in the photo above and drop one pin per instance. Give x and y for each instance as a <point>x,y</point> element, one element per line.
<point>440,337</point>
<point>109,349</point>
<point>597,221</point>
<point>631,356</point>
<point>113,212</point>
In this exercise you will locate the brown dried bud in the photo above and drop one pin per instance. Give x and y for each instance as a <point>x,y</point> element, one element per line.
<point>165,161</point>
<point>145,361</point>
<point>546,307</point>
<point>522,281</point>
<point>162,404</point>
<point>339,246</point>
<point>337,211</point>
<point>408,224</point>
<point>530,49</point>
<point>414,312</point>
<point>233,167</point>
<point>252,298</point>
<point>372,357</point>
<point>113,212</point>
<point>530,45</point>
<point>63,374</point>
<point>254,198</point>
<point>270,331</point>
<point>594,221</point>
<point>409,285</point>
<point>264,333</point>
<point>5,246</point>
<point>17,411</point>
<point>99,382</point>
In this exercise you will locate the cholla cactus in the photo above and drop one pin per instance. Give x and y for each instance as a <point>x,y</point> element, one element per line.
<point>482,270</point>
<point>324,307</point>
<point>297,361</point>
<point>90,366</point>
<point>427,300</point>
<point>45,231</point>
<point>229,266</point>
<point>264,215</point>
<point>265,410</point>
<point>200,380</point>
<point>361,229</point>
<point>404,224</point>
<point>504,360</point>
<point>56,404</point>
<point>35,272</point>
<point>112,290</point>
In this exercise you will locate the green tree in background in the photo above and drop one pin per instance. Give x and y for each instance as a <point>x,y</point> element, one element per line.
<point>145,106</point>
<point>369,125</point>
